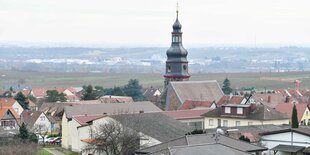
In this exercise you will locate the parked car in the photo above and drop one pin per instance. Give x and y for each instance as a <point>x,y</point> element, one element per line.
<point>40,139</point>
<point>56,140</point>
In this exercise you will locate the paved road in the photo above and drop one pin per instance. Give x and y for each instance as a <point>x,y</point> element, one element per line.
<point>54,151</point>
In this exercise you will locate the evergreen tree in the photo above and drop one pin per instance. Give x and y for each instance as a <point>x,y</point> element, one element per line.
<point>243,138</point>
<point>54,96</point>
<point>118,91</point>
<point>294,118</point>
<point>89,93</point>
<point>99,91</point>
<point>23,132</point>
<point>22,100</point>
<point>226,87</point>
<point>134,90</point>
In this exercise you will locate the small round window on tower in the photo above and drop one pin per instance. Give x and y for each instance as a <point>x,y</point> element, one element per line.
<point>184,67</point>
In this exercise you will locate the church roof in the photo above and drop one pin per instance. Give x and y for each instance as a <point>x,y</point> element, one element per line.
<point>197,90</point>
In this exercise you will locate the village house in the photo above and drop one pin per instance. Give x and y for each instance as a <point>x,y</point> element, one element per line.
<point>10,120</point>
<point>180,91</point>
<point>37,120</point>
<point>152,94</point>
<point>95,110</point>
<point>70,93</point>
<point>195,144</point>
<point>271,99</point>
<point>154,128</point>
<point>251,132</point>
<point>286,141</point>
<point>303,112</point>
<point>230,115</point>
<point>191,117</point>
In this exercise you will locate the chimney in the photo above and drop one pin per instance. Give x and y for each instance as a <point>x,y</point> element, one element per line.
<point>287,99</point>
<point>230,96</point>
<point>141,111</point>
<point>252,106</point>
<point>269,99</point>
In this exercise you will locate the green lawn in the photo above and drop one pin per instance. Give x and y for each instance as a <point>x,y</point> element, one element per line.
<point>43,152</point>
<point>238,80</point>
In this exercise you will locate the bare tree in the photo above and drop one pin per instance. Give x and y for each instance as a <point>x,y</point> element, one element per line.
<point>119,136</point>
<point>15,146</point>
<point>41,130</point>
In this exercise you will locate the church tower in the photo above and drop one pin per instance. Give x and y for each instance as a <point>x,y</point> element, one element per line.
<point>176,64</point>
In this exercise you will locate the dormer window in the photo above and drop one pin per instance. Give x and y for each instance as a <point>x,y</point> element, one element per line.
<point>239,110</point>
<point>227,110</point>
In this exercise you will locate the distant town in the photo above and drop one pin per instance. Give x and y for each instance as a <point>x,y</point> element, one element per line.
<point>152,60</point>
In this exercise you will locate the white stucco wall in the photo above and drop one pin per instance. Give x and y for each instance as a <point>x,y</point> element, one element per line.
<point>243,122</point>
<point>270,141</point>
<point>74,135</point>
<point>43,122</point>
<point>18,108</point>
<point>64,132</point>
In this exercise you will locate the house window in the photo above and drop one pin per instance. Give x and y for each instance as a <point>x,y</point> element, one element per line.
<point>239,110</point>
<point>42,118</point>
<point>196,125</point>
<point>225,123</point>
<point>250,123</point>
<point>227,110</point>
<point>237,123</point>
<point>7,123</point>
<point>211,122</point>
<point>16,109</point>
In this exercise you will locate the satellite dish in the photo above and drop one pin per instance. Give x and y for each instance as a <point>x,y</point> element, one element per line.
<point>220,131</point>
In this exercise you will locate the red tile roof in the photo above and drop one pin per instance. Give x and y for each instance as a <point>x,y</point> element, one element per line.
<point>41,92</point>
<point>230,100</point>
<point>89,140</point>
<point>115,99</point>
<point>30,117</point>
<point>188,104</point>
<point>7,102</point>
<point>186,114</point>
<point>82,120</point>
<point>4,110</point>
<point>287,108</point>
<point>253,137</point>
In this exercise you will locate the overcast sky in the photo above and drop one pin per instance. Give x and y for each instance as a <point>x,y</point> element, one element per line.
<point>149,22</point>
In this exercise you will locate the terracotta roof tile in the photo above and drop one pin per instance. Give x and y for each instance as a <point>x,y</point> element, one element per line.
<point>186,114</point>
<point>188,104</point>
<point>7,102</point>
<point>4,110</point>
<point>287,108</point>
<point>230,100</point>
<point>30,118</point>
<point>82,120</point>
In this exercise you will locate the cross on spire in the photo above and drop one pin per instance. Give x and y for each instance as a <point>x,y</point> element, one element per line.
<point>177,9</point>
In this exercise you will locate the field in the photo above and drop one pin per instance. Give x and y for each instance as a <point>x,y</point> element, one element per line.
<point>259,81</point>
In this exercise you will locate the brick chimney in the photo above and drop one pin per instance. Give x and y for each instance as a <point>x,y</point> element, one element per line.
<point>269,99</point>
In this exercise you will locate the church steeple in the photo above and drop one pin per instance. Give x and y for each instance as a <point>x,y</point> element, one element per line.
<point>176,64</point>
